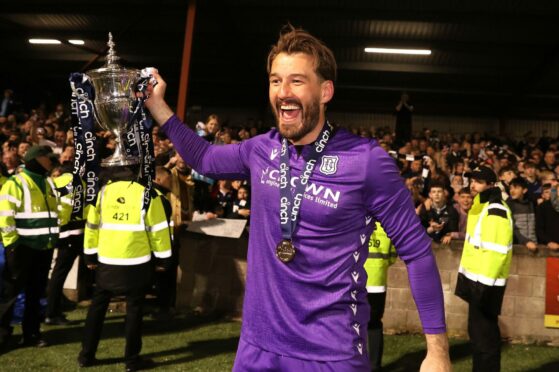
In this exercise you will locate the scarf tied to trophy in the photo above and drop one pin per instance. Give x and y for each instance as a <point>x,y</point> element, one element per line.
<point>85,180</point>
<point>137,142</point>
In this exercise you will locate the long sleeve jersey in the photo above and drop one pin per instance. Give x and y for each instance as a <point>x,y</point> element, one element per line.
<point>315,307</point>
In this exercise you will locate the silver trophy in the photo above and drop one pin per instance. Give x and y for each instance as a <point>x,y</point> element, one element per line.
<point>114,95</point>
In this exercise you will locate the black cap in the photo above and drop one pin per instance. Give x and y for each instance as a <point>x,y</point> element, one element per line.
<point>36,151</point>
<point>484,173</point>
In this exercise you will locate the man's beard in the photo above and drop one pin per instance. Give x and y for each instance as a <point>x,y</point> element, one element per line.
<point>310,117</point>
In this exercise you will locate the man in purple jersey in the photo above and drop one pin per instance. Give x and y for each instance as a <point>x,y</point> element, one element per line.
<point>316,191</point>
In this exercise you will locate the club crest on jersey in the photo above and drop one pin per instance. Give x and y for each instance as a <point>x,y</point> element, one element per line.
<point>329,164</point>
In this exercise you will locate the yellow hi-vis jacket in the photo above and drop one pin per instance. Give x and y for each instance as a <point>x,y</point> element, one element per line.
<point>488,245</point>
<point>120,233</point>
<point>382,254</point>
<point>3,180</point>
<point>68,226</point>
<point>27,216</point>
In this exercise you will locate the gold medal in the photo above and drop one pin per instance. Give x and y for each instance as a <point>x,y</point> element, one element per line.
<point>285,251</point>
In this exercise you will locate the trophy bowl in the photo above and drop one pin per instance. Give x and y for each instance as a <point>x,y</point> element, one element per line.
<point>114,96</point>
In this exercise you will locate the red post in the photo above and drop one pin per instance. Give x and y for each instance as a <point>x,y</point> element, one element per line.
<point>186,54</point>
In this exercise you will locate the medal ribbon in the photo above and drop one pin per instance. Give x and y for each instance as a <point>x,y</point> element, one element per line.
<point>290,201</point>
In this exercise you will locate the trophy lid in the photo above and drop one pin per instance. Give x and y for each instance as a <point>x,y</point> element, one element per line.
<point>111,62</point>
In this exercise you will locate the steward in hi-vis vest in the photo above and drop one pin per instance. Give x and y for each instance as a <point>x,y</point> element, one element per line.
<point>29,212</point>
<point>120,239</point>
<point>484,268</point>
<point>70,246</point>
<point>29,227</point>
<point>118,217</point>
<point>382,254</point>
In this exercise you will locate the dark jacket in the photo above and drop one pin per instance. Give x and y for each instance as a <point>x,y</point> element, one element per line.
<point>237,205</point>
<point>447,214</point>
<point>524,216</point>
<point>547,223</point>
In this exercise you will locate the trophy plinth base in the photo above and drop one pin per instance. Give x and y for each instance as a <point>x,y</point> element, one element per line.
<point>119,161</point>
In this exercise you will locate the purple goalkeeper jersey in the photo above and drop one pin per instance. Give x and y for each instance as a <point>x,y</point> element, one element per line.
<point>315,307</point>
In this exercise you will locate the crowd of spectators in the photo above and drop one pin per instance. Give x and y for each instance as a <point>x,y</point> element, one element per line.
<point>435,167</point>
<point>195,197</point>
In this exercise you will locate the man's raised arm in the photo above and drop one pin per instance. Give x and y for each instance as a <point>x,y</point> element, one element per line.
<point>155,103</point>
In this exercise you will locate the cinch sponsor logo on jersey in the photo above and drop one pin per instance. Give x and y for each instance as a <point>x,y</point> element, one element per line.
<point>319,194</point>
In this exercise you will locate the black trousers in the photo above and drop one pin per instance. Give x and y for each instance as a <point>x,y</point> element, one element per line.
<point>485,336</point>
<point>166,282</point>
<point>68,249</point>
<point>132,324</point>
<point>377,302</point>
<point>111,280</point>
<point>26,269</point>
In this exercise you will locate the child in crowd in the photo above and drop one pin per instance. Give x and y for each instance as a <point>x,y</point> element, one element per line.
<point>523,214</point>
<point>241,206</point>
<point>506,175</point>
<point>462,206</point>
<point>439,218</point>
<point>534,184</point>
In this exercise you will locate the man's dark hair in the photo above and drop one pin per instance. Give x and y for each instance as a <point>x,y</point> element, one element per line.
<point>119,173</point>
<point>505,169</point>
<point>519,182</point>
<point>436,184</point>
<point>530,164</point>
<point>162,159</point>
<point>465,190</point>
<point>13,144</point>
<point>293,40</point>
